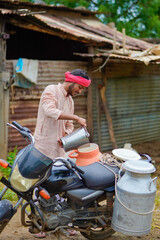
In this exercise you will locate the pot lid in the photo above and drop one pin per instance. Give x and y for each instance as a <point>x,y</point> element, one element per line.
<point>126,154</point>
<point>139,166</point>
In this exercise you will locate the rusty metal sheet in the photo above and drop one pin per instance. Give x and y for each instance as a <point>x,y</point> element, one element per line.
<point>108,32</point>
<point>16,4</point>
<point>145,59</point>
<point>72,29</point>
<point>25,113</point>
<point>134,109</point>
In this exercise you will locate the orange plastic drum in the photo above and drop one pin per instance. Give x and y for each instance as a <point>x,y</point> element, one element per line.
<point>86,154</point>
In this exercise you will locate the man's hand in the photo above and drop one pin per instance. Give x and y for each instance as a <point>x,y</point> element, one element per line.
<point>68,116</point>
<point>81,121</point>
<point>60,143</point>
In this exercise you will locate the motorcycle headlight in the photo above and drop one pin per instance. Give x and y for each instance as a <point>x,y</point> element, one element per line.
<point>19,182</point>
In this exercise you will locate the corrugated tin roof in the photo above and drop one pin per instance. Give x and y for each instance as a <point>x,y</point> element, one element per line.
<point>76,24</point>
<point>138,56</point>
<point>21,4</point>
<point>72,29</point>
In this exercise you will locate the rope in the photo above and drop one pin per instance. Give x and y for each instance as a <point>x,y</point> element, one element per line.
<point>112,161</point>
<point>100,67</point>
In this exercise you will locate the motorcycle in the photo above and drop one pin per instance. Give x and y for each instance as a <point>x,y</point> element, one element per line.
<point>56,195</point>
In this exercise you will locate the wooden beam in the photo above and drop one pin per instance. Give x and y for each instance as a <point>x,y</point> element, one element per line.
<point>4,95</point>
<point>106,110</point>
<point>98,117</point>
<point>124,40</point>
<point>114,39</point>
<point>89,99</point>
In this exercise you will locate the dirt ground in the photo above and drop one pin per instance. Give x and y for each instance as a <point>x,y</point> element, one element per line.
<point>15,231</point>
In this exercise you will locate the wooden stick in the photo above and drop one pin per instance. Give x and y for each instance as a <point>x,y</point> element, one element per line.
<point>124,40</point>
<point>89,99</point>
<point>98,116</point>
<point>114,39</point>
<point>108,117</point>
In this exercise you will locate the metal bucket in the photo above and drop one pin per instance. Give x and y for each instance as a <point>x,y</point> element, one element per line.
<point>134,199</point>
<point>75,139</point>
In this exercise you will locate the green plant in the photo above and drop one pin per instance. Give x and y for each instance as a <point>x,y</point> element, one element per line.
<point>10,158</point>
<point>10,195</point>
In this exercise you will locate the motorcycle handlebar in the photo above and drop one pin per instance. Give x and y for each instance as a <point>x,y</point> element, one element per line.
<point>17,125</point>
<point>25,132</point>
<point>68,163</point>
<point>77,168</point>
<point>20,127</point>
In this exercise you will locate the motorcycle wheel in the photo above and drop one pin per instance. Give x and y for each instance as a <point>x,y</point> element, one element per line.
<point>98,233</point>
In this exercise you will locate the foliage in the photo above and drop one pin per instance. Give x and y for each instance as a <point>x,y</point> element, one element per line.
<point>10,158</point>
<point>10,195</point>
<point>140,18</point>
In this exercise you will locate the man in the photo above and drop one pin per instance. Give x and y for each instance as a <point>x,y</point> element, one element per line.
<point>56,116</point>
<point>56,113</point>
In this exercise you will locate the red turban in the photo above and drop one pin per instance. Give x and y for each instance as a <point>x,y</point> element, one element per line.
<point>77,79</point>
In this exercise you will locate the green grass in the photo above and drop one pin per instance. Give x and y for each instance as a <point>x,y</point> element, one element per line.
<point>10,195</point>
<point>10,159</point>
<point>156,213</point>
<point>157,199</point>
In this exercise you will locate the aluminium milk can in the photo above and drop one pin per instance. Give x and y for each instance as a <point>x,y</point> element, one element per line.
<point>134,199</point>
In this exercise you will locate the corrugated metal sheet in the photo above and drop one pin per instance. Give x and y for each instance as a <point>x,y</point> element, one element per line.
<point>116,68</point>
<point>78,25</point>
<point>134,107</point>
<point>67,27</point>
<point>25,113</point>
<point>24,103</point>
<point>18,4</point>
<point>144,59</point>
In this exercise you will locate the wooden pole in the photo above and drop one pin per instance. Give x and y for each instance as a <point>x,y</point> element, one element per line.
<point>4,95</point>
<point>89,99</point>
<point>124,40</point>
<point>114,39</point>
<point>98,116</point>
<point>105,107</point>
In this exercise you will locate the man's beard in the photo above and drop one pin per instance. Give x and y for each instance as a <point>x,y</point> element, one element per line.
<point>70,90</point>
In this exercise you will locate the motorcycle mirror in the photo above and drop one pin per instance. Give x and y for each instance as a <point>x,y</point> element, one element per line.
<point>3,163</point>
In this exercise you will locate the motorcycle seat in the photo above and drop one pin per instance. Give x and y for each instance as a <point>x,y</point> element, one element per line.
<point>84,196</point>
<point>98,177</point>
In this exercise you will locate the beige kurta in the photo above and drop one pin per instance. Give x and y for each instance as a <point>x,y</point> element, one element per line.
<point>49,129</point>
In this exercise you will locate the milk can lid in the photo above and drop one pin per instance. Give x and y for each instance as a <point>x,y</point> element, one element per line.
<point>139,166</point>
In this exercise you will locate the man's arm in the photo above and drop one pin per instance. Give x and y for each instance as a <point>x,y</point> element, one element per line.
<point>49,106</point>
<point>68,116</point>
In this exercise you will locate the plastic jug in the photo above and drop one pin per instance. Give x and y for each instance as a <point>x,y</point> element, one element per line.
<point>86,154</point>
